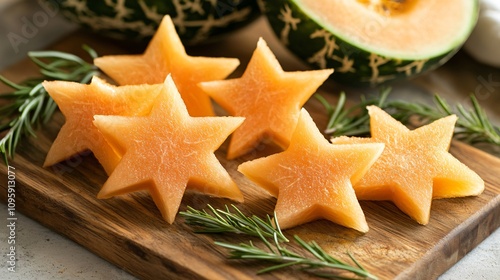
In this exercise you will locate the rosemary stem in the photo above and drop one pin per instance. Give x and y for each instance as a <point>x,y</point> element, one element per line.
<point>473,126</point>
<point>29,104</point>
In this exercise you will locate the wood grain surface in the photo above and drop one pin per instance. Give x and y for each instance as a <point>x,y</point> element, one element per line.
<point>129,231</point>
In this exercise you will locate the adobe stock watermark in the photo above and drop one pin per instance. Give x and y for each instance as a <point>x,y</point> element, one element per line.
<point>486,87</point>
<point>31,25</point>
<point>11,219</point>
<point>223,8</point>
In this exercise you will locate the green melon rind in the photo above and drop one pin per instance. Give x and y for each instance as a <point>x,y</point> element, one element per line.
<point>196,21</point>
<point>321,48</point>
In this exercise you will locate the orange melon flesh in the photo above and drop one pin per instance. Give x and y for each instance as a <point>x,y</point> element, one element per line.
<point>79,103</point>
<point>269,98</point>
<point>312,179</point>
<point>411,29</point>
<point>165,55</point>
<point>415,166</point>
<point>168,151</point>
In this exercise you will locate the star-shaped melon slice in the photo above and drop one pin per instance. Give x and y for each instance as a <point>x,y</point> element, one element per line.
<point>167,151</point>
<point>79,103</point>
<point>313,178</point>
<point>269,98</point>
<point>165,55</point>
<point>415,166</point>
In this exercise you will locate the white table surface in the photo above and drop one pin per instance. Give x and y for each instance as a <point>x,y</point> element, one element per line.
<point>44,254</point>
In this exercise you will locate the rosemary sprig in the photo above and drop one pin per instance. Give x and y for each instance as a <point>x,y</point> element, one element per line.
<point>473,126</point>
<point>220,221</point>
<point>29,105</point>
<point>353,120</point>
<point>285,258</point>
<point>321,264</point>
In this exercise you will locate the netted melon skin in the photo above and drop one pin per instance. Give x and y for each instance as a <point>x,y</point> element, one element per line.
<point>197,21</point>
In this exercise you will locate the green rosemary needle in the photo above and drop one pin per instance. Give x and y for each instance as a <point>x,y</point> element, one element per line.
<point>29,104</point>
<point>473,126</point>
<point>320,263</point>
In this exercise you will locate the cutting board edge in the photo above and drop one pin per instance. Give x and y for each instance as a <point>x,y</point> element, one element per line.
<point>66,222</point>
<point>448,251</point>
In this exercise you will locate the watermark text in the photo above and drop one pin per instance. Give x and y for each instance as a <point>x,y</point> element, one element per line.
<point>11,219</point>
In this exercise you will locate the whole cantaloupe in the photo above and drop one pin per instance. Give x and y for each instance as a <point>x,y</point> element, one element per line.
<point>196,21</point>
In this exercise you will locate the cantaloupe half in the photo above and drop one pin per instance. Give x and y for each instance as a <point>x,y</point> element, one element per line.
<point>312,179</point>
<point>373,41</point>
<point>79,103</point>
<point>165,55</point>
<point>415,166</point>
<point>168,151</point>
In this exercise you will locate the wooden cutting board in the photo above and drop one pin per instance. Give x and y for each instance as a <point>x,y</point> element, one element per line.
<point>129,232</point>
